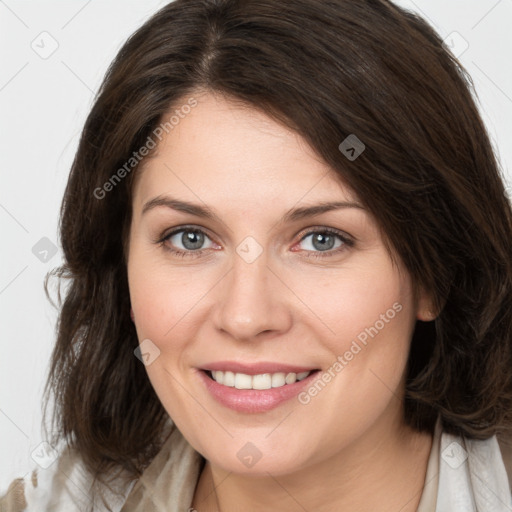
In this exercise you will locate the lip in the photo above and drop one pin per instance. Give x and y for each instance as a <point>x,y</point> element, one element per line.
<point>255,368</point>
<point>254,400</point>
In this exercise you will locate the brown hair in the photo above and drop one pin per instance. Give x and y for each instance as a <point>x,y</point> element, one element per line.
<point>326,69</point>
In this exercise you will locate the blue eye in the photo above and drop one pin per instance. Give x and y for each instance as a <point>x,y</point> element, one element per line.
<point>325,240</point>
<point>191,240</point>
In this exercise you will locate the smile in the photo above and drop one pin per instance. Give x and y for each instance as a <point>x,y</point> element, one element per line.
<point>255,393</point>
<point>260,381</point>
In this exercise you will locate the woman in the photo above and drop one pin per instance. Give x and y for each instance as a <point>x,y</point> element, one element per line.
<point>288,246</point>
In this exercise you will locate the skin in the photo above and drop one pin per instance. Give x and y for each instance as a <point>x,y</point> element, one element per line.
<point>348,448</point>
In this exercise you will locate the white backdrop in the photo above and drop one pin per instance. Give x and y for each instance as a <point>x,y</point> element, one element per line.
<point>54,55</point>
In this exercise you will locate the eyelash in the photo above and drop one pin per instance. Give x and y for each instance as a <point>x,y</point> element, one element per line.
<point>347,242</point>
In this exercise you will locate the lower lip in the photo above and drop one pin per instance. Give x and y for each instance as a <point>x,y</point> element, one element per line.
<point>254,400</point>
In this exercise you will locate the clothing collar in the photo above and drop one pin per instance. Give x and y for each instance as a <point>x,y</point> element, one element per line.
<point>462,474</point>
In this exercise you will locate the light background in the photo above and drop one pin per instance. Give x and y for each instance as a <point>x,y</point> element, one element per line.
<point>44,102</point>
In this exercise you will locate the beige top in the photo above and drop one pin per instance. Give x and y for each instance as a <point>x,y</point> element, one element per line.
<point>462,476</point>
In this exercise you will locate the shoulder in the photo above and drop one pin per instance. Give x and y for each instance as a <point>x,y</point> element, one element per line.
<point>63,485</point>
<point>473,473</point>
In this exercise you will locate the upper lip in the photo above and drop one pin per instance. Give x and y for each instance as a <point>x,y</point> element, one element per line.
<point>256,368</point>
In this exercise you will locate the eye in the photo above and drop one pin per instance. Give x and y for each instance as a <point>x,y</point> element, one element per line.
<point>325,240</point>
<point>188,241</point>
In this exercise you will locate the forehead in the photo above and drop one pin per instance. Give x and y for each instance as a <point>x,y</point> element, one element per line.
<point>224,153</point>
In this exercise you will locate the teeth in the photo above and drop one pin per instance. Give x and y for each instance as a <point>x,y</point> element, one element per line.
<point>261,381</point>
<point>278,380</point>
<point>229,379</point>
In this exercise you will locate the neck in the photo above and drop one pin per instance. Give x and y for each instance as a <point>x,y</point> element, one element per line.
<point>378,472</point>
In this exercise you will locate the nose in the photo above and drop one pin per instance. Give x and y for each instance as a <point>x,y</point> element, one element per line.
<point>252,301</point>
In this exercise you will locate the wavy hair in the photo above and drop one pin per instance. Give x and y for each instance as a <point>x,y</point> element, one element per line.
<point>325,69</point>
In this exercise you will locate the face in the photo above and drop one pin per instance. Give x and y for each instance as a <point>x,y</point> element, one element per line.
<point>254,283</point>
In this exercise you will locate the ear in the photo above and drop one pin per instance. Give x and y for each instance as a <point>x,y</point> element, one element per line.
<point>425,310</point>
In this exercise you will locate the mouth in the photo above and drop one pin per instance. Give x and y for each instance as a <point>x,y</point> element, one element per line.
<point>260,381</point>
<point>255,393</point>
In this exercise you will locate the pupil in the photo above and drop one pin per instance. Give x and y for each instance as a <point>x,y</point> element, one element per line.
<point>192,240</point>
<point>326,240</point>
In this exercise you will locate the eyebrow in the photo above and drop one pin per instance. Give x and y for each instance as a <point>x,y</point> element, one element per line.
<point>292,215</point>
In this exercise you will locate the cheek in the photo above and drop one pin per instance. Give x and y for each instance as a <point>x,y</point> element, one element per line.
<point>367,318</point>
<point>359,303</point>
<point>162,298</point>
<point>364,317</point>
<point>163,303</point>
<point>149,303</point>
